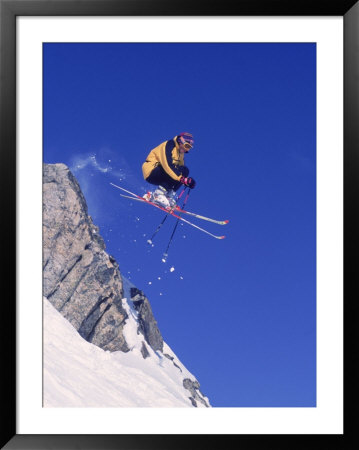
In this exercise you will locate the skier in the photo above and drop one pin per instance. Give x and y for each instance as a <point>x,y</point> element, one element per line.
<point>164,167</point>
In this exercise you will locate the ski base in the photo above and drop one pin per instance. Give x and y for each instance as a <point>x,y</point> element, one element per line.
<point>168,211</point>
<point>180,211</point>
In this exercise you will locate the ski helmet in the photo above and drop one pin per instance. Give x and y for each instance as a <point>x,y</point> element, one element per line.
<point>186,139</point>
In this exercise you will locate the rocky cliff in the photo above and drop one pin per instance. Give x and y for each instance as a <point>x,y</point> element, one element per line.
<point>84,283</point>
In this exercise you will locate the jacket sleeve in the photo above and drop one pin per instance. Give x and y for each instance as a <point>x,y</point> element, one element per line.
<point>167,163</point>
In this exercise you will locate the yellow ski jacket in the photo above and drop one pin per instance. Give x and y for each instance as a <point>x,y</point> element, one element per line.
<point>168,156</point>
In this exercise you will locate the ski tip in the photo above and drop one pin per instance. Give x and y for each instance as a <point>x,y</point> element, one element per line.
<point>222,237</point>
<point>225,222</point>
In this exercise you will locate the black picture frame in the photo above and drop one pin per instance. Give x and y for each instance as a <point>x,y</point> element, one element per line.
<point>9,10</point>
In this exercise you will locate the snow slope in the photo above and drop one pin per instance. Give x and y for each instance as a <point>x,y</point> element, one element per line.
<point>80,374</point>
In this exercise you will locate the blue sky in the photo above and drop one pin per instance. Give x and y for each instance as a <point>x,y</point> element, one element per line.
<point>240,313</point>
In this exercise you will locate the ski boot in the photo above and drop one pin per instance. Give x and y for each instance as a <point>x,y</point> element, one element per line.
<point>160,198</point>
<point>171,197</point>
<point>148,196</point>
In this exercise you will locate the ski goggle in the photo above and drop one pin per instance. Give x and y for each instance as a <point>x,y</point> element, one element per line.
<point>187,146</point>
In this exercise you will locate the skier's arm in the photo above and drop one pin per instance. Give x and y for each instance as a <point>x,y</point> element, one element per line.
<point>166,161</point>
<point>189,182</point>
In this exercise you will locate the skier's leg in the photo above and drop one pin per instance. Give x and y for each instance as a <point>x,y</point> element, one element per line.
<point>159,177</point>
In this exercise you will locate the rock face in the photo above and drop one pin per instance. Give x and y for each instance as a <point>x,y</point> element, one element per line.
<point>147,323</point>
<point>196,394</point>
<point>79,278</point>
<point>84,283</point>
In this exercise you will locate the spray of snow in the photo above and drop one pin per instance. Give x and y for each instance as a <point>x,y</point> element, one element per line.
<point>117,165</point>
<point>80,162</point>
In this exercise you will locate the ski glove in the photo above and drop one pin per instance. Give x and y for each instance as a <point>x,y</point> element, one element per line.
<point>188,182</point>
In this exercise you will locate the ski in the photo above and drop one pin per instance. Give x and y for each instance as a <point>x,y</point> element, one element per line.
<point>180,211</point>
<point>198,216</point>
<point>135,197</point>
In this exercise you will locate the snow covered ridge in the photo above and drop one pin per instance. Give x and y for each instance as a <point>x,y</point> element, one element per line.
<point>80,374</point>
<point>102,344</point>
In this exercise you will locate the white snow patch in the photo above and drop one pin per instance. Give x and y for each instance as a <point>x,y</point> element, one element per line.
<point>80,374</point>
<point>172,269</point>
<point>130,328</point>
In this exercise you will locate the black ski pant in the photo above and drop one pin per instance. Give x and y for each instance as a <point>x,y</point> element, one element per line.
<point>159,177</point>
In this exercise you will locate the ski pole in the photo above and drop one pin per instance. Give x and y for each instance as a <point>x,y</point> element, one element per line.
<point>149,241</point>
<point>165,255</point>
